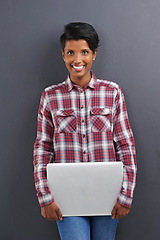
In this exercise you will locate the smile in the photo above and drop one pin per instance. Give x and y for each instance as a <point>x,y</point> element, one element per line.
<point>78,67</point>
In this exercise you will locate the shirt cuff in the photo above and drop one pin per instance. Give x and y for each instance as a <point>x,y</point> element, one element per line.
<point>124,200</point>
<point>45,199</point>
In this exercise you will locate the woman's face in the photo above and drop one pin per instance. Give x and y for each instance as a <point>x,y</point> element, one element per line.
<point>78,58</point>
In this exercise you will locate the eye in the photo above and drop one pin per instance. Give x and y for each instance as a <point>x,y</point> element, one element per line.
<point>85,52</point>
<point>70,52</point>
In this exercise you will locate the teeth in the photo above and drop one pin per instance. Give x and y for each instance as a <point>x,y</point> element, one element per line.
<point>78,68</point>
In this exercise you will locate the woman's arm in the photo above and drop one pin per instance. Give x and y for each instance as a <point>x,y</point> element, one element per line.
<point>43,151</point>
<point>125,150</point>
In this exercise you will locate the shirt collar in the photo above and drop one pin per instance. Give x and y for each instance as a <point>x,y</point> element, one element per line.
<point>70,85</point>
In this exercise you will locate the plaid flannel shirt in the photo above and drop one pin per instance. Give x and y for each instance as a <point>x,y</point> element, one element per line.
<point>88,124</point>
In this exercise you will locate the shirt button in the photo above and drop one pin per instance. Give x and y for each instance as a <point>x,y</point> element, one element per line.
<point>84,135</point>
<point>82,106</point>
<point>81,91</point>
<point>84,152</point>
<point>82,121</point>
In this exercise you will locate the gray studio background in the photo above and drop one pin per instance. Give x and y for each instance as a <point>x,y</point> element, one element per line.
<point>30,60</point>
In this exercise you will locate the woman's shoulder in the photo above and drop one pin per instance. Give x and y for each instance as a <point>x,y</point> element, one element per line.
<point>108,84</point>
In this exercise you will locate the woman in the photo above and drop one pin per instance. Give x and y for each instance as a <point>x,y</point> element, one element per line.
<point>83,119</point>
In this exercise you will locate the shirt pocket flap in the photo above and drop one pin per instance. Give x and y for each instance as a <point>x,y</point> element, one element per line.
<point>100,111</point>
<point>65,113</point>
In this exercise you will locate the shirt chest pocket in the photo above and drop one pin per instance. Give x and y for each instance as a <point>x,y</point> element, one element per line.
<point>101,119</point>
<point>66,121</point>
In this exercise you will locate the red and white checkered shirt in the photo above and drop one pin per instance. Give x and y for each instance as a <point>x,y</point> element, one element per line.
<point>88,124</point>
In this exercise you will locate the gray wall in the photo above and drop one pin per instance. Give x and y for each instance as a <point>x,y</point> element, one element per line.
<point>30,60</point>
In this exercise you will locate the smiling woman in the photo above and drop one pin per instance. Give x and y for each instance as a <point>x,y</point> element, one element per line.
<point>83,119</point>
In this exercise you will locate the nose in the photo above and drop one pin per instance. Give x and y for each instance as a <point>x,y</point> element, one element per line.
<point>78,58</point>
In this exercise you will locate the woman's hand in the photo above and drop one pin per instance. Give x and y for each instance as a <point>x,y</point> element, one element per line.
<point>119,211</point>
<point>51,212</point>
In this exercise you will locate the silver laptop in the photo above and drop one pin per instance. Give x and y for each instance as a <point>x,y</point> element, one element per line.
<point>85,189</point>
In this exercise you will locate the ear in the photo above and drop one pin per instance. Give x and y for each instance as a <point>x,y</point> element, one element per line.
<point>94,55</point>
<point>63,55</point>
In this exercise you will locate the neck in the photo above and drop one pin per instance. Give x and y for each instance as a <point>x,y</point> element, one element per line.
<point>81,81</point>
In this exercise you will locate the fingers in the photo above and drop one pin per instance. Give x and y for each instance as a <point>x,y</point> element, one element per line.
<point>59,214</point>
<point>119,211</point>
<point>43,212</point>
<point>114,212</point>
<point>51,212</point>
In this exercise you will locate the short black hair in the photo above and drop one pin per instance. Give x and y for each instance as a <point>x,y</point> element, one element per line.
<point>80,30</point>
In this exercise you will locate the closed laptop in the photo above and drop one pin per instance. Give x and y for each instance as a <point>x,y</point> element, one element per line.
<point>85,189</point>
